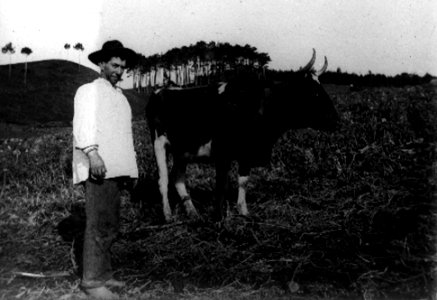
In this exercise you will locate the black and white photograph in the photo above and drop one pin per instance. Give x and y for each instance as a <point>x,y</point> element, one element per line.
<point>205,149</point>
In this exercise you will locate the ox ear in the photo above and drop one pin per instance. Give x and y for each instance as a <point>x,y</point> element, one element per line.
<point>309,65</point>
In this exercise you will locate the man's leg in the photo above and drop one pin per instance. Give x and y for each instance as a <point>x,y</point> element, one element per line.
<point>102,223</point>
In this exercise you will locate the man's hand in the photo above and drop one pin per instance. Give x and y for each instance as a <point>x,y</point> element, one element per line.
<point>97,166</point>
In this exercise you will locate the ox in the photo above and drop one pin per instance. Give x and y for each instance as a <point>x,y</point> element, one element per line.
<point>239,120</point>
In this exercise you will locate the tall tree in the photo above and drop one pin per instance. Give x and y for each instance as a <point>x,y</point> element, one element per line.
<point>26,51</point>
<point>67,47</point>
<point>8,48</point>
<point>79,47</point>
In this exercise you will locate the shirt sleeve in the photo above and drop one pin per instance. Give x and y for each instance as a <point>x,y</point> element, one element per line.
<point>85,117</point>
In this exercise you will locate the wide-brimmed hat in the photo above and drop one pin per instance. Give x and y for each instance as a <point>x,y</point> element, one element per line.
<point>113,49</point>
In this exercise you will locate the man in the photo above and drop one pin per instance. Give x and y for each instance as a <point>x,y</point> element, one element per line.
<point>103,160</point>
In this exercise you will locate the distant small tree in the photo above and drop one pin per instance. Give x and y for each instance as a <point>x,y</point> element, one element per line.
<point>26,51</point>
<point>8,48</point>
<point>79,47</point>
<point>67,47</point>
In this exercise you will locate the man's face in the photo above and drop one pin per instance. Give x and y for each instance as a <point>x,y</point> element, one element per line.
<point>113,69</point>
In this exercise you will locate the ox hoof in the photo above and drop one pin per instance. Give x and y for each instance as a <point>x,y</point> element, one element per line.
<point>223,224</point>
<point>169,218</point>
<point>192,214</point>
<point>167,211</point>
<point>242,210</point>
<point>218,217</point>
<point>191,210</point>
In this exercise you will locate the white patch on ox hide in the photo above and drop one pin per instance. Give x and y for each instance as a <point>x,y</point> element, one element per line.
<point>222,87</point>
<point>205,150</point>
<point>181,189</point>
<point>161,159</point>
<point>241,202</point>
<point>175,88</point>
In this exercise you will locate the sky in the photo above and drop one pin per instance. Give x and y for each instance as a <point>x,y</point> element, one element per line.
<point>382,36</point>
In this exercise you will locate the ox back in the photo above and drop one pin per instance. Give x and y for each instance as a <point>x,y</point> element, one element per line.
<point>235,121</point>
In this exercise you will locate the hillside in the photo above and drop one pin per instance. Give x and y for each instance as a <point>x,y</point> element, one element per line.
<point>48,96</point>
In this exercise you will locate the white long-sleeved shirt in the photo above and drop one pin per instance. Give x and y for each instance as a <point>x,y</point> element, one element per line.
<point>103,117</point>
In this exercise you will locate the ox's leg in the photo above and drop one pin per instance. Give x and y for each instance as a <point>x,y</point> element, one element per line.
<point>241,202</point>
<point>178,173</point>
<point>161,159</point>
<point>222,184</point>
<point>243,179</point>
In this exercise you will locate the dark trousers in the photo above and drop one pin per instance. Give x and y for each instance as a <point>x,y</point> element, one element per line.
<point>102,223</point>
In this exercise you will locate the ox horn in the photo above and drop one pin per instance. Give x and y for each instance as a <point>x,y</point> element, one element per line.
<point>323,69</point>
<point>310,64</point>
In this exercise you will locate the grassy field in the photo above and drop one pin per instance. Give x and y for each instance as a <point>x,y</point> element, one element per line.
<point>348,215</point>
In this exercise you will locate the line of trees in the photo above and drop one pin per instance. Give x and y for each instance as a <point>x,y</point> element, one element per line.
<point>9,49</point>
<point>203,62</point>
<point>357,82</point>
<point>197,64</point>
<point>219,53</point>
<point>194,64</point>
<point>78,46</point>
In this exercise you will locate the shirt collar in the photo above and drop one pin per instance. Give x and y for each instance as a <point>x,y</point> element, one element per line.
<point>108,84</point>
